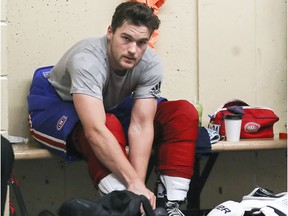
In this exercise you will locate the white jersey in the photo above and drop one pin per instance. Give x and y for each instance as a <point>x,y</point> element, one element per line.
<point>85,69</point>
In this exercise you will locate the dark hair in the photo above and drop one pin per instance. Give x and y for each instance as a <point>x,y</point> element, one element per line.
<point>137,13</point>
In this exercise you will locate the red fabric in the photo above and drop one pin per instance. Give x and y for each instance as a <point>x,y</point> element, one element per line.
<point>95,167</point>
<point>176,129</point>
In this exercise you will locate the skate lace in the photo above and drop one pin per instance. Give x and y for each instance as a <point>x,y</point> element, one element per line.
<point>173,209</point>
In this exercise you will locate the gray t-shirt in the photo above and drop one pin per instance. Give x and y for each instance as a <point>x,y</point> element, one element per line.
<point>84,68</point>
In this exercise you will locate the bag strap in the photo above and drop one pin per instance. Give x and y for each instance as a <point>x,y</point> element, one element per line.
<point>147,206</point>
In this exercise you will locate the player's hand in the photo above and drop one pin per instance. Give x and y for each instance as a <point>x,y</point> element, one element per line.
<point>140,189</point>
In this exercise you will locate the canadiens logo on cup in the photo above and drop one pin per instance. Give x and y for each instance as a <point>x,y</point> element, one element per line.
<point>61,122</point>
<point>251,127</point>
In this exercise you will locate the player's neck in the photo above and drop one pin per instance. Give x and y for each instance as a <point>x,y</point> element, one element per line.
<point>120,72</point>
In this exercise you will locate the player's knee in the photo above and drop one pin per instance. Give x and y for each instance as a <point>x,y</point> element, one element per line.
<point>114,125</point>
<point>187,111</point>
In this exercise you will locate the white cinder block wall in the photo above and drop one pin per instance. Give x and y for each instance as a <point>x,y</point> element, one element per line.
<point>3,79</point>
<point>213,50</point>
<point>4,71</point>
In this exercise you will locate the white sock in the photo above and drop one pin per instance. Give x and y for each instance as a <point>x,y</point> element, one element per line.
<point>110,183</point>
<point>176,187</point>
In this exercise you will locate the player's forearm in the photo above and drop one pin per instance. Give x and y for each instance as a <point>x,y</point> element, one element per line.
<point>140,143</point>
<point>108,152</point>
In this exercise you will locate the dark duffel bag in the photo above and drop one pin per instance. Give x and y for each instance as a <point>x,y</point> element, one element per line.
<point>116,203</point>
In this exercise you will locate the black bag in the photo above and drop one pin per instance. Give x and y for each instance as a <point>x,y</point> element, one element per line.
<point>116,203</point>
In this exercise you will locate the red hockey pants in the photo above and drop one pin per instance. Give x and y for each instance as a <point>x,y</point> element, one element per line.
<point>176,129</point>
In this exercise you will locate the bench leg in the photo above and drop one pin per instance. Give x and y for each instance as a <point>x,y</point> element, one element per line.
<point>15,186</point>
<point>198,180</point>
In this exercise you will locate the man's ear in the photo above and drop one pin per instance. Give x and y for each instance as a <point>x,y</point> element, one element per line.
<point>109,32</point>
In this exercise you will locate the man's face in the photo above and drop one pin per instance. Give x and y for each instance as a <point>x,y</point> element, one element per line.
<point>127,45</point>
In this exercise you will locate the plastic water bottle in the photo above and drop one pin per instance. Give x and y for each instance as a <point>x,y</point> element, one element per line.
<point>199,108</point>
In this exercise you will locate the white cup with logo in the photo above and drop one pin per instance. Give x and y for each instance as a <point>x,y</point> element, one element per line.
<point>233,127</point>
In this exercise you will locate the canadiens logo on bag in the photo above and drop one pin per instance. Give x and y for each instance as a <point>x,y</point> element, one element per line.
<point>252,127</point>
<point>257,122</point>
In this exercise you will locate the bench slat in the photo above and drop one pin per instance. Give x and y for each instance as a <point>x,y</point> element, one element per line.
<point>250,145</point>
<point>34,151</point>
<point>31,151</point>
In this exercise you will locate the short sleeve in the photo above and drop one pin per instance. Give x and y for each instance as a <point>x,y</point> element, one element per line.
<point>87,75</point>
<point>150,79</point>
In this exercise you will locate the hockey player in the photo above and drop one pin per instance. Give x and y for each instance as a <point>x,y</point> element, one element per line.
<point>104,95</point>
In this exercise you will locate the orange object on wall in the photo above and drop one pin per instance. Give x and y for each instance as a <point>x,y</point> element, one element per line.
<point>155,4</point>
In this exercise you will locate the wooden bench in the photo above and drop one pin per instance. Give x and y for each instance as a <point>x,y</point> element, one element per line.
<point>250,145</point>
<point>34,151</point>
<point>30,151</point>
